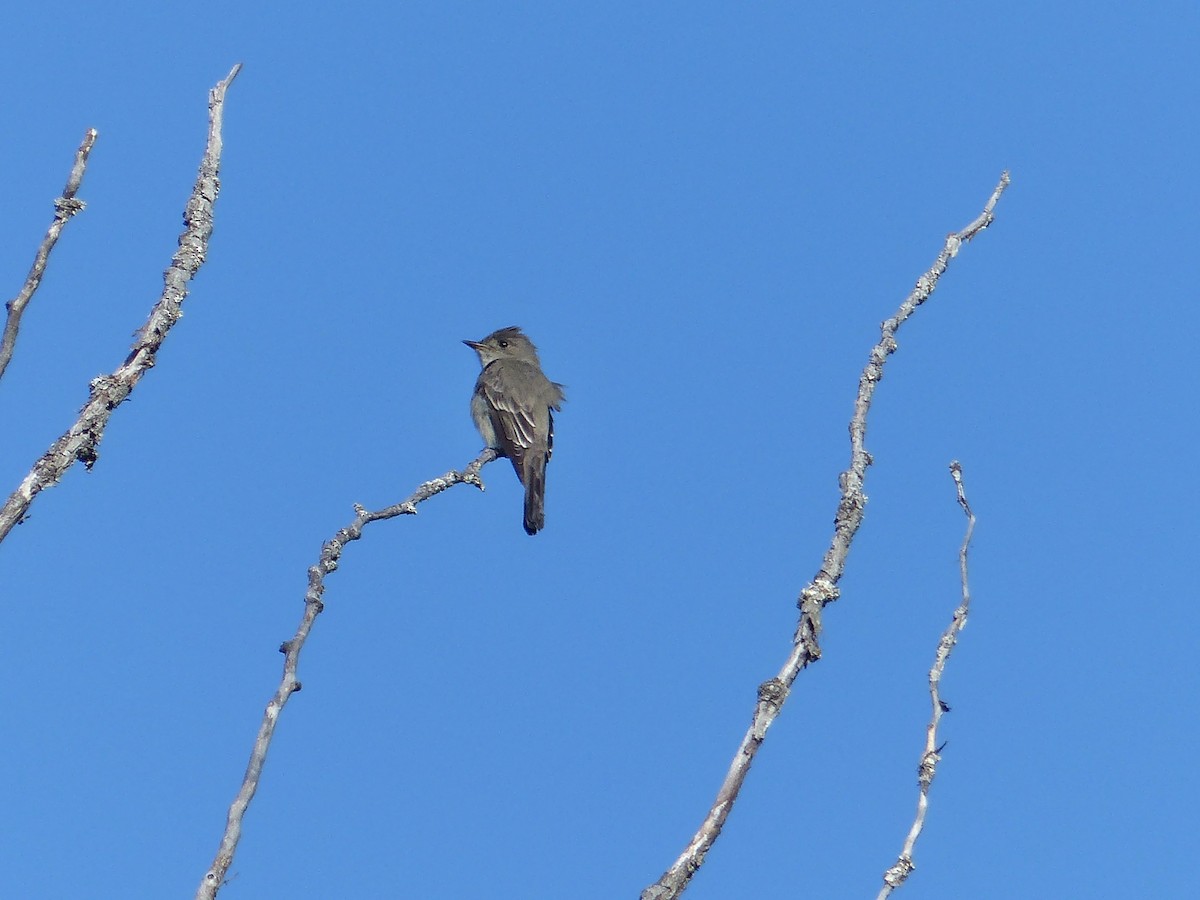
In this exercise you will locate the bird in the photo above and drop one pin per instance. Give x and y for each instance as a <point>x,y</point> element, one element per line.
<point>513,407</point>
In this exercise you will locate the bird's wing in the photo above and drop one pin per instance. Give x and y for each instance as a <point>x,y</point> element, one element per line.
<point>515,423</point>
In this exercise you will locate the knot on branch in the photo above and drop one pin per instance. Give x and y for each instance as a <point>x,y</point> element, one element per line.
<point>86,453</point>
<point>65,207</point>
<point>928,768</point>
<point>818,594</point>
<point>897,874</point>
<point>772,691</point>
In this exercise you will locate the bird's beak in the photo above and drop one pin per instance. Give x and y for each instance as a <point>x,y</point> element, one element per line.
<point>474,345</point>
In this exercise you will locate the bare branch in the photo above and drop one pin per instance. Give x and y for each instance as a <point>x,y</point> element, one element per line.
<point>823,589</point>
<point>898,873</point>
<point>108,391</point>
<point>64,208</point>
<point>214,878</point>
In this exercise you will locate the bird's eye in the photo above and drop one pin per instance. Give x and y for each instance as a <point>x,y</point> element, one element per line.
<point>503,344</point>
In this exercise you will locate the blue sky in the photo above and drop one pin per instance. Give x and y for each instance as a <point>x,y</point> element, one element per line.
<point>700,213</point>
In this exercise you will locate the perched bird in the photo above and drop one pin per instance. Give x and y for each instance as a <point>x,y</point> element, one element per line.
<point>512,408</point>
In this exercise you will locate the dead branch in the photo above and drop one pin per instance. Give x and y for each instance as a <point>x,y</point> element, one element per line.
<point>214,878</point>
<point>81,440</point>
<point>823,589</point>
<point>64,208</point>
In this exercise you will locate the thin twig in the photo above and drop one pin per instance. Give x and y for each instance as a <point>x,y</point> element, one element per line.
<point>108,391</point>
<point>331,552</point>
<point>64,208</point>
<point>823,589</point>
<point>898,873</point>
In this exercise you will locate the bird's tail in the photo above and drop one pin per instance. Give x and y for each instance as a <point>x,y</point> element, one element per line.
<point>535,491</point>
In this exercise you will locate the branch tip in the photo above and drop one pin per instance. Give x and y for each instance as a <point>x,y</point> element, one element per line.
<point>289,684</point>
<point>80,441</point>
<point>823,589</point>
<point>932,755</point>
